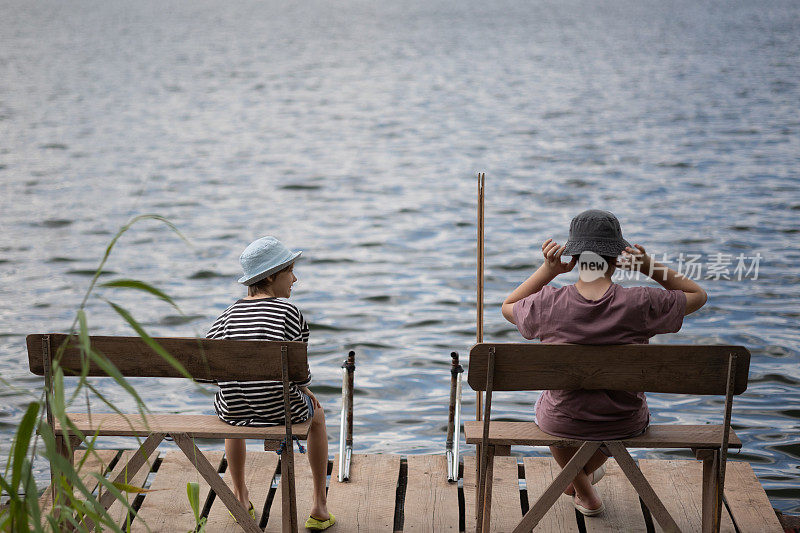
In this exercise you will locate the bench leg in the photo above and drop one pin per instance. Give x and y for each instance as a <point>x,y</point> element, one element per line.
<point>209,473</point>
<point>477,480</point>
<point>484,518</point>
<point>288,495</point>
<point>642,486</point>
<point>68,452</point>
<point>562,480</point>
<point>136,462</point>
<point>711,467</point>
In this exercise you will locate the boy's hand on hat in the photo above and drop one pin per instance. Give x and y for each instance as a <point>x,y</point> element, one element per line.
<point>552,258</point>
<point>634,258</point>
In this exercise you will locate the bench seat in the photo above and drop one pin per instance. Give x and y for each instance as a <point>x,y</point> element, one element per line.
<point>199,426</point>
<point>656,436</point>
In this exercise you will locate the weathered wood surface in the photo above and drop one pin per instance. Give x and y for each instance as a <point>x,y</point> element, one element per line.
<point>623,510</point>
<point>747,500</point>
<point>96,463</point>
<point>167,507</point>
<point>431,502</point>
<point>367,501</point>
<point>200,426</point>
<point>118,510</point>
<point>506,509</point>
<point>656,436</point>
<point>304,493</point>
<point>260,468</point>
<point>679,484</point>
<point>682,369</point>
<point>204,359</point>
<point>539,473</point>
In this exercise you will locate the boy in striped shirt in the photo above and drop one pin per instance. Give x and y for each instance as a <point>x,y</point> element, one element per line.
<point>264,314</point>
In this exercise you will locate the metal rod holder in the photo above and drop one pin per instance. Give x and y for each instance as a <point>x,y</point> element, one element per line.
<point>346,421</point>
<point>454,418</point>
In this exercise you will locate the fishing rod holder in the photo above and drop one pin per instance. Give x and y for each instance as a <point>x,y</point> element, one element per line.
<point>346,422</point>
<point>454,418</point>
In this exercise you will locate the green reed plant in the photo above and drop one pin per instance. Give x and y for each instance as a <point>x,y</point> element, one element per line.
<point>71,504</point>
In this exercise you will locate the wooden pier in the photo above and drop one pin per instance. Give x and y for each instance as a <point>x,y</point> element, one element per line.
<point>411,493</point>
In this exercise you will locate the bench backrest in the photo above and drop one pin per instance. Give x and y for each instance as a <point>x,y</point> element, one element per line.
<point>204,359</point>
<point>683,369</point>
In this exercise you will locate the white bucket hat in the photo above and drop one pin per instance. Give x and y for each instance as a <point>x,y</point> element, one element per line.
<point>263,257</point>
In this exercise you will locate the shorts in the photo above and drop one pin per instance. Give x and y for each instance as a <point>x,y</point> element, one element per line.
<point>310,405</point>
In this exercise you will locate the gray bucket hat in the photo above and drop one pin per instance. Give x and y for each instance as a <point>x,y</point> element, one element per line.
<point>595,231</point>
<point>263,257</point>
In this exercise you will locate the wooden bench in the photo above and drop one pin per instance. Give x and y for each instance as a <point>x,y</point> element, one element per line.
<point>677,369</point>
<point>203,359</point>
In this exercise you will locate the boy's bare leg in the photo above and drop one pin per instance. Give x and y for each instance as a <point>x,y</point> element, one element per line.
<point>236,452</point>
<point>318,460</point>
<point>582,484</point>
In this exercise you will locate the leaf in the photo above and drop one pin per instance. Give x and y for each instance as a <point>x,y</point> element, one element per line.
<point>113,242</point>
<point>131,489</point>
<point>149,340</point>
<point>141,286</point>
<point>193,492</point>
<point>112,371</point>
<point>22,443</point>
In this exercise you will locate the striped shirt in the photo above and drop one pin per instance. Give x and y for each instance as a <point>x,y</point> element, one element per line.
<point>260,403</point>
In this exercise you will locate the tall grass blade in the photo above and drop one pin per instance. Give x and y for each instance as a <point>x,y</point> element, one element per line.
<point>22,443</point>
<point>150,341</point>
<point>141,286</point>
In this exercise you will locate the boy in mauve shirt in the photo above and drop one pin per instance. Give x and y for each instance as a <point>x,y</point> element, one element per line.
<point>597,311</point>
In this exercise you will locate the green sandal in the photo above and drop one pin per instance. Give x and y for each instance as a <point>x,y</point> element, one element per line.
<point>251,512</point>
<point>319,525</point>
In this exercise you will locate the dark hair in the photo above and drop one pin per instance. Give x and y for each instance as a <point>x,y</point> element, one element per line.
<point>261,286</point>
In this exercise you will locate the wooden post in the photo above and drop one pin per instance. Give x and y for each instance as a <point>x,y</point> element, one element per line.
<point>479,339</point>
<point>47,363</point>
<point>726,428</point>
<point>710,490</point>
<point>484,481</point>
<point>288,500</point>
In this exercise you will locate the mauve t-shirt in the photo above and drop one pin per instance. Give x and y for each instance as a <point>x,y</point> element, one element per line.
<point>623,315</point>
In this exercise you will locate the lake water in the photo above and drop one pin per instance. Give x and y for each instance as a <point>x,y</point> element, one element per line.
<point>353,130</point>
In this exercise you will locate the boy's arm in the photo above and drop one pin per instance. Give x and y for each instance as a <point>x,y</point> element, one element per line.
<point>551,268</point>
<point>696,297</point>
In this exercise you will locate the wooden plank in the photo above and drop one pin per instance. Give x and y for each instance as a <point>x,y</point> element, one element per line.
<point>304,491</point>
<point>431,501</point>
<point>167,508</point>
<point>682,369</point>
<point>623,511</point>
<point>367,501</point>
<point>118,510</point>
<point>200,426</point>
<point>679,485</point>
<point>539,473</point>
<point>259,471</point>
<point>747,500</point>
<point>96,463</point>
<point>656,436</point>
<point>205,359</point>
<point>506,507</point>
